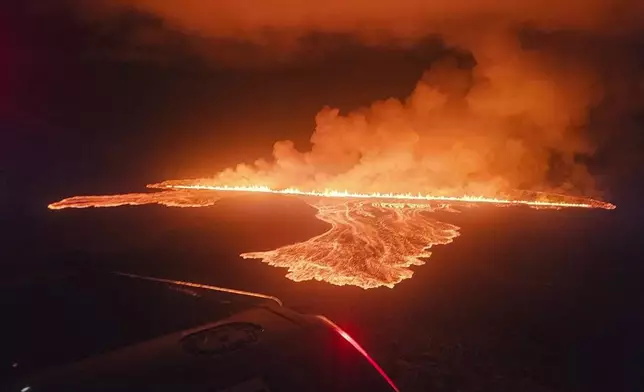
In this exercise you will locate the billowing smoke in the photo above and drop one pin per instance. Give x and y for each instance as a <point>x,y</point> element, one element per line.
<point>516,119</point>
<point>495,127</point>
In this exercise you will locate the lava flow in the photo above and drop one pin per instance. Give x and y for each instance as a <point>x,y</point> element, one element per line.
<point>169,199</point>
<point>373,240</point>
<point>368,245</point>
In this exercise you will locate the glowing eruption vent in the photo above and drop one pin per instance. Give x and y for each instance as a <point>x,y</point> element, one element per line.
<point>548,200</point>
<point>373,240</point>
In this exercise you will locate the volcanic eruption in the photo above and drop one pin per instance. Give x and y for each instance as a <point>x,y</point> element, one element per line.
<point>504,125</point>
<point>377,174</point>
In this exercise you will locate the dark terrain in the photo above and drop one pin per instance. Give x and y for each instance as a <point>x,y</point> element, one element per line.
<point>523,300</point>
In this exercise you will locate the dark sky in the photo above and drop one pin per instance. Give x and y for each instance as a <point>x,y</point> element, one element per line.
<point>77,108</point>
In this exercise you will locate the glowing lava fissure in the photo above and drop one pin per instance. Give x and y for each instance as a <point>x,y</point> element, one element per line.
<point>536,199</point>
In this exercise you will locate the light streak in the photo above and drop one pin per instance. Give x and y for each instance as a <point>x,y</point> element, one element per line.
<point>361,350</point>
<point>202,286</point>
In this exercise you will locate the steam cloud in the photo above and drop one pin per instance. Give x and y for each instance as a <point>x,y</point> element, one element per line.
<point>516,119</point>
<point>481,131</point>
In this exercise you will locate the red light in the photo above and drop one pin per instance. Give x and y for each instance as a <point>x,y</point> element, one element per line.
<point>361,350</point>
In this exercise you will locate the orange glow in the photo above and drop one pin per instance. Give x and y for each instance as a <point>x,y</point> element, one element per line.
<point>367,246</point>
<point>564,202</point>
<point>169,199</point>
<point>361,350</point>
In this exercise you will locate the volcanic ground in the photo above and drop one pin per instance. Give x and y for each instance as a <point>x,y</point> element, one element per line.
<point>531,300</point>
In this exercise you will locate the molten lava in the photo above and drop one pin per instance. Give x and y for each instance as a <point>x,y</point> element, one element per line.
<point>373,240</point>
<point>538,199</point>
<point>169,199</point>
<point>367,245</point>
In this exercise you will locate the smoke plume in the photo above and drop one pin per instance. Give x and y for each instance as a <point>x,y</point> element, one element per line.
<point>495,127</point>
<point>516,119</point>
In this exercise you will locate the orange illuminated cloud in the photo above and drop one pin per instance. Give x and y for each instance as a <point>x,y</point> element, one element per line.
<point>402,18</point>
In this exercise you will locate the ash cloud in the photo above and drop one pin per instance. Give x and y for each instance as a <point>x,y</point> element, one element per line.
<point>516,119</point>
